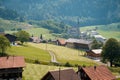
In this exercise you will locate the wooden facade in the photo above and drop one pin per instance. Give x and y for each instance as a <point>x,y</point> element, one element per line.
<point>95,53</point>
<point>11,73</point>
<point>79,44</point>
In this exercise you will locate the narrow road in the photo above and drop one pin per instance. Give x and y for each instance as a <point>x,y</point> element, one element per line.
<point>53,57</point>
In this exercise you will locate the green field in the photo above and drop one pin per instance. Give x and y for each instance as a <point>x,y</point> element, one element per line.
<point>30,53</point>
<point>64,54</point>
<point>108,31</point>
<point>36,71</point>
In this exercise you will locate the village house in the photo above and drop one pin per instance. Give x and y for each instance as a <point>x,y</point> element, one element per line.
<point>95,73</point>
<point>66,74</point>
<point>79,43</point>
<point>100,38</point>
<point>94,53</point>
<point>11,67</point>
<point>61,42</point>
<point>35,39</point>
<point>10,37</point>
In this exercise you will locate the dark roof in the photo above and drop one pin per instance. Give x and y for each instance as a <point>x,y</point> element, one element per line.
<point>99,73</point>
<point>12,62</point>
<point>66,74</point>
<point>10,37</point>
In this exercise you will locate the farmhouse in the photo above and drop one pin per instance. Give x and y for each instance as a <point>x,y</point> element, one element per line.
<point>66,74</point>
<point>79,43</point>
<point>95,53</point>
<point>11,67</point>
<point>95,73</point>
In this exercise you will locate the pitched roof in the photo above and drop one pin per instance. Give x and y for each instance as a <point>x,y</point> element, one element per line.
<point>80,41</point>
<point>62,41</point>
<point>66,74</point>
<point>99,73</point>
<point>97,51</point>
<point>12,62</point>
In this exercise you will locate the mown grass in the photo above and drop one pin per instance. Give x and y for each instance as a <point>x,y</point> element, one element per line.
<point>36,71</point>
<point>64,54</point>
<point>30,53</point>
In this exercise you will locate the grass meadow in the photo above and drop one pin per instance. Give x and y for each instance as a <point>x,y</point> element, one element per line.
<point>36,71</point>
<point>64,54</point>
<point>29,52</point>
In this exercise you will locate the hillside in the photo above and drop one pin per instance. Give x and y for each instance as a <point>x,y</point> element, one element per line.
<point>108,31</point>
<point>68,11</point>
<point>13,25</point>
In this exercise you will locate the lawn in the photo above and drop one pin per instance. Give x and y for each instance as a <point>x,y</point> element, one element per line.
<point>29,52</point>
<point>36,71</point>
<point>64,54</point>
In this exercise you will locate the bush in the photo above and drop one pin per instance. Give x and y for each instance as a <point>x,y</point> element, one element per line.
<point>67,64</point>
<point>37,62</point>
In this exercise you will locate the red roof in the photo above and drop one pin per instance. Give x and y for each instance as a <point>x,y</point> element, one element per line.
<point>67,74</point>
<point>99,73</point>
<point>62,41</point>
<point>12,62</point>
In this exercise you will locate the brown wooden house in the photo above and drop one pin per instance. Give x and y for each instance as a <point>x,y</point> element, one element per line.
<point>79,44</point>
<point>96,73</point>
<point>66,74</point>
<point>11,67</point>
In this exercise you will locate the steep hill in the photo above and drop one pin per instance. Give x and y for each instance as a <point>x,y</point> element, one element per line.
<point>89,12</point>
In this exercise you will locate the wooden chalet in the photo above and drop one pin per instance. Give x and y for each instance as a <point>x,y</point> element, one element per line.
<point>11,67</point>
<point>66,74</point>
<point>95,53</point>
<point>79,44</point>
<point>95,73</point>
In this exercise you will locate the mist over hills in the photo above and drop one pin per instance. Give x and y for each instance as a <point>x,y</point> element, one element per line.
<point>89,12</point>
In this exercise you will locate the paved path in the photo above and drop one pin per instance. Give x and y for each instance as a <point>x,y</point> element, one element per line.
<point>53,57</point>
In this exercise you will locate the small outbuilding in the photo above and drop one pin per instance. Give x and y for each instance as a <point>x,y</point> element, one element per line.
<point>11,67</point>
<point>95,53</point>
